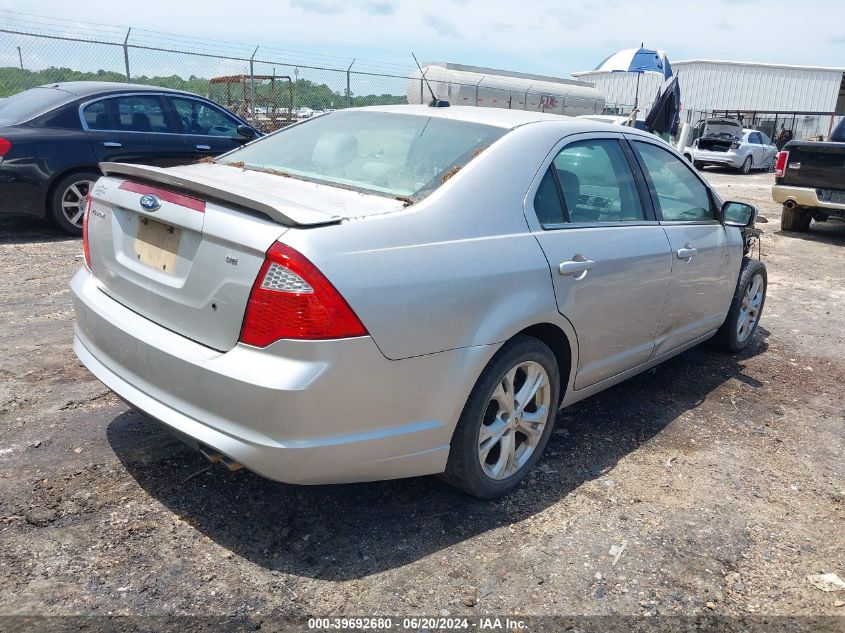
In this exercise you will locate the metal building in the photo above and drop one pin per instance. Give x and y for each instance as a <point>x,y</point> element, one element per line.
<point>808,100</point>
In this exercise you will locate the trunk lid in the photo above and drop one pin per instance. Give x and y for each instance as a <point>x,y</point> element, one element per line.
<point>183,246</point>
<point>718,134</point>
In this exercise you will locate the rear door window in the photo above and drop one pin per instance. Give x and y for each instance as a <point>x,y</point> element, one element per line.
<point>131,113</point>
<point>754,137</point>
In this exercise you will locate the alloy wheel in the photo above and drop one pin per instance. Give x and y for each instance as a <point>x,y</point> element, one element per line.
<point>749,310</point>
<point>513,423</point>
<point>73,201</point>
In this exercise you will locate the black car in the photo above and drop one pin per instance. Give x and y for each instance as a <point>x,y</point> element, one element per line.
<point>53,137</point>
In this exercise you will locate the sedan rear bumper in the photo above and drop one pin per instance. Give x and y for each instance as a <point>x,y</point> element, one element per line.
<point>296,411</point>
<point>730,158</point>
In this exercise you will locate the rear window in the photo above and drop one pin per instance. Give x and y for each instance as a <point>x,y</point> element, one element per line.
<point>838,135</point>
<point>399,155</point>
<point>30,103</point>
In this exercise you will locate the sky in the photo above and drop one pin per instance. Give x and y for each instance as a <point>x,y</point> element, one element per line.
<point>542,36</point>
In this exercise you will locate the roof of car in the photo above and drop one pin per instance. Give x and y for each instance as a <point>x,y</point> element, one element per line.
<point>500,117</point>
<point>85,88</point>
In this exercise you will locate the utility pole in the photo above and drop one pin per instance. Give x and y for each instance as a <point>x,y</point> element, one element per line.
<point>20,58</point>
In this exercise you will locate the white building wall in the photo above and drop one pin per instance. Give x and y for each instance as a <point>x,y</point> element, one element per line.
<point>713,85</point>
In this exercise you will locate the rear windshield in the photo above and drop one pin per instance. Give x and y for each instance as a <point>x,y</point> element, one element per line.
<point>399,155</point>
<point>29,103</point>
<point>838,135</point>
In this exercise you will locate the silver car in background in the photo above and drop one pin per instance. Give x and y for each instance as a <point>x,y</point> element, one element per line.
<point>406,290</point>
<point>724,142</point>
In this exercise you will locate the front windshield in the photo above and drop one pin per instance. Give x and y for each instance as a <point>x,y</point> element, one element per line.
<point>400,155</point>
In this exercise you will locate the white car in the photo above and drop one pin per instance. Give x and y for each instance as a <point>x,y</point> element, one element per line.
<point>725,142</point>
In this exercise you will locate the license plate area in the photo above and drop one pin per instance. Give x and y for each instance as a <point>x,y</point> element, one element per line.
<point>157,245</point>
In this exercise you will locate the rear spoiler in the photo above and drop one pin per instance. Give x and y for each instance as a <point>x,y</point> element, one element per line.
<point>274,207</point>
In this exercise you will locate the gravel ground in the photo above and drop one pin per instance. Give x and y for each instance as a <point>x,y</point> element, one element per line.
<point>709,485</point>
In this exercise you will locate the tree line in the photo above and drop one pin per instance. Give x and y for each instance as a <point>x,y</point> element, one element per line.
<point>305,93</point>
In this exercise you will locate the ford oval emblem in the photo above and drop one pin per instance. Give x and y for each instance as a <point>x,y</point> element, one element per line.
<point>150,202</point>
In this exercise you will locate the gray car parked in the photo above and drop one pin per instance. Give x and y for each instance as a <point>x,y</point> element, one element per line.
<point>406,290</point>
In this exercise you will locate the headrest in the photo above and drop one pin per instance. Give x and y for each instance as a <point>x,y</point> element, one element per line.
<point>335,150</point>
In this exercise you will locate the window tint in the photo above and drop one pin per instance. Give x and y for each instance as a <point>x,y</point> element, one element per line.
<point>597,182</point>
<point>142,113</point>
<point>547,201</point>
<point>766,140</point>
<point>201,118</point>
<point>838,135</point>
<point>755,138</point>
<point>681,196</point>
<point>29,103</point>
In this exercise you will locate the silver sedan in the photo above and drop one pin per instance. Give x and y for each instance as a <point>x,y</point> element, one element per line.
<point>726,144</point>
<point>407,290</point>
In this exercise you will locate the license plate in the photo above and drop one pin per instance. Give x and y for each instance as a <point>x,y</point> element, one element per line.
<point>157,245</point>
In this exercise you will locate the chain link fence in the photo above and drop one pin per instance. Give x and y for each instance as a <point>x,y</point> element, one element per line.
<point>268,87</point>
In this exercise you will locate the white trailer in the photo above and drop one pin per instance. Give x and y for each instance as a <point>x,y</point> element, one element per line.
<point>491,88</point>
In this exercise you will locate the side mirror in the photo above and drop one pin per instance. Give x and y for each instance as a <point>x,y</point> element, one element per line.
<point>244,131</point>
<point>738,214</point>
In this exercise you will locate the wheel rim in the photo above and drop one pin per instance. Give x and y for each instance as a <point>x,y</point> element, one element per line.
<point>746,166</point>
<point>749,311</point>
<point>514,420</point>
<point>73,201</point>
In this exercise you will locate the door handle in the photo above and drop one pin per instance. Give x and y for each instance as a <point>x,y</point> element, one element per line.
<point>112,144</point>
<point>687,251</point>
<point>204,147</point>
<point>577,267</point>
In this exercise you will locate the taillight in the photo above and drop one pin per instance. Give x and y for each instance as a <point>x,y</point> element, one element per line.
<point>5,146</point>
<point>292,299</point>
<point>735,145</point>
<point>780,164</point>
<point>85,248</point>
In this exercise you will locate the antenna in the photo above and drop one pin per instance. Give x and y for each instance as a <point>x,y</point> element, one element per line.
<point>435,102</point>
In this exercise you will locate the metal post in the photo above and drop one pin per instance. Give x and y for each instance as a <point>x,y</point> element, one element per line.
<point>348,86</point>
<point>126,52</point>
<point>637,94</point>
<point>20,58</point>
<point>252,85</point>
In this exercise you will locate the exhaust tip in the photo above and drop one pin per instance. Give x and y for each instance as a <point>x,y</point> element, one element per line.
<point>790,204</point>
<point>219,458</point>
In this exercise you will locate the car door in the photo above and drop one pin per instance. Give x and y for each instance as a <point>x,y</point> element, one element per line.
<point>706,255</point>
<point>757,149</point>
<point>769,150</point>
<point>609,258</point>
<point>208,130</point>
<point>133,128</point>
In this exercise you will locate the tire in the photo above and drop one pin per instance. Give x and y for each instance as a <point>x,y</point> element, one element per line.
<point>67,200</point>
<point>740,325</point>
<point>795,219</point>
<point>746,165</point>
<point>472,464</point>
